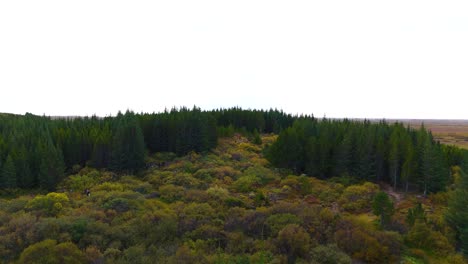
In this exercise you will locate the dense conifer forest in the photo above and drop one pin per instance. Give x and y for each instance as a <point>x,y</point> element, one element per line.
<point>402,157</point>
<point>38,151</point>
<point>228,186</point>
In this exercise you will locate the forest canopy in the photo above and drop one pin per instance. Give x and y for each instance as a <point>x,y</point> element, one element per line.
<point>401,156</point>
<point>228,186</point>
<point>38,151</point>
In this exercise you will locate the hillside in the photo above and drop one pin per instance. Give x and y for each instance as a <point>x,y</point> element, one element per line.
<point>228,205</point>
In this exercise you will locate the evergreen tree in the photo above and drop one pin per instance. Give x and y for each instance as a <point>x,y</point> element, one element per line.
<point>424,158</point>
<point>380,155</point>
<point>457,214</point>
<point>364,150</point>
<point>257,140</point>
<point>394,157</point>
<point>25,177</point>
<point>434,171</point>
<point>160,134</point>
<point>287,152</point>
<point>409,165</point>
<point>441,171</point>
<point>102,148</point>
<point>416,214</point>
<point>52,166</point>
<point>3,151</point>
<point>324,151</point>
<point>128,149</point>
<point>312,157</point>
<point>349,159</point>
<point>323,148</point>
<point>382,206</point>
<point>463,237</point>
<point>8,174</point>
<point>212,132</point>
<point>367,156</point>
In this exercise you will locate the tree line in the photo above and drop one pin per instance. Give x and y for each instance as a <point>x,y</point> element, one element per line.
<point>404,157</point>
<point>37,151</point>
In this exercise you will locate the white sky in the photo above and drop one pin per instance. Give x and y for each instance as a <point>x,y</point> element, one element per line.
<point>393,59</point>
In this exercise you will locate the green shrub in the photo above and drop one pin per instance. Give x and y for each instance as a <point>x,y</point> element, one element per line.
<point>246,183</point>
<point>358,198</point>
<point>329,254</point>
<point>218,192</point>
<point>171,193</point>
<point>51,204</point>
<point>234,202</point>
<point>423,237</point>
<point>119,204</point>
<point>48,251</point>
<point>277,222</point>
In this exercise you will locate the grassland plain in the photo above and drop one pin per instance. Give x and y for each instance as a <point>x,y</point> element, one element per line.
<point>450,132</point>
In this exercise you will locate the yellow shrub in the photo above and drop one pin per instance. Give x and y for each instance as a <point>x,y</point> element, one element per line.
<point>51,204</point>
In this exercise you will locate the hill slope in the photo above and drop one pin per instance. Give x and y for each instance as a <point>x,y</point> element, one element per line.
<point>227,206</point>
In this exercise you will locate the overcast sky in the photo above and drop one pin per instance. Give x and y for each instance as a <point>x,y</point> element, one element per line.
<point>392,59</point>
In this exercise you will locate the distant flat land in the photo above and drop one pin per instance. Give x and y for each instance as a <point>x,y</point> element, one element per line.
<point>452,132</point>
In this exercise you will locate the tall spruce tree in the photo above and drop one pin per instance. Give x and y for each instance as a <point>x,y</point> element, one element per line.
<point>409,165</point>
<point>380,154</point>
<point>288,151</point>
<point>346,155</point>
<point>457,213</point>
<point>25,177</point>
<point>367,156</point>
<point>52,166</point>
<point>128,149</point>
<point>382,206</point>
<point>434,170</point>
<point>8,174</point>
<point>100,157</point>
<point>394,157</point>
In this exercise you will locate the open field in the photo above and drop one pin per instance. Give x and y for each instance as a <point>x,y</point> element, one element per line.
<point>452,132</point>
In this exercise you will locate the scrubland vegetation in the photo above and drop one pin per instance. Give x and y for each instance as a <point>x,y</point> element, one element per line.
<point>231,187</point>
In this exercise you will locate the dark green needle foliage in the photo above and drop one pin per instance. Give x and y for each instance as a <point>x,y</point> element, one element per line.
<point>405,158</point>
<point>151,199</point>
<point>457,214</point>
<point>382,206</point>
<point>416,214</point>
<point>43,149</point>
<point>8,174</point>
<point>128,149</point>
